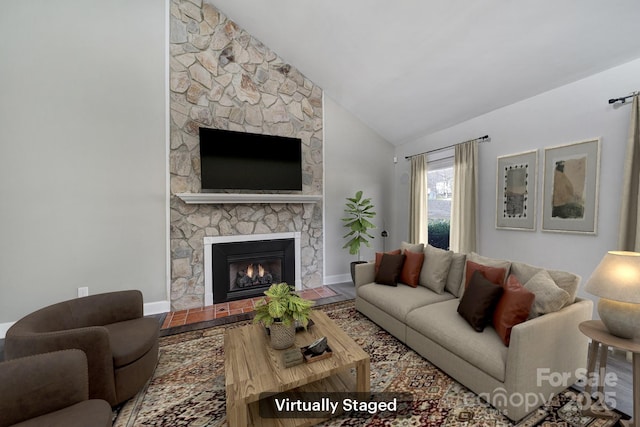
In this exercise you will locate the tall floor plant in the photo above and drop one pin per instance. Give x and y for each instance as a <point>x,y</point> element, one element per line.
<point>358,211</point>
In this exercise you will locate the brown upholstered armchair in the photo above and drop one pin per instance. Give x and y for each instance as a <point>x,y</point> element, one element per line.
<point>121,345</point>
<point>49,389</point>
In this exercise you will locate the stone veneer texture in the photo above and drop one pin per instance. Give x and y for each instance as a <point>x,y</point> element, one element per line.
<point>221,77</point>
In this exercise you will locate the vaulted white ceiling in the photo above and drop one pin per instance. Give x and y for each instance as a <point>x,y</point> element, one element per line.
<point>412,67</point>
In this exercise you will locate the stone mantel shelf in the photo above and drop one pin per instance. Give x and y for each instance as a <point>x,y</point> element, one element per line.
<point>213,198</point>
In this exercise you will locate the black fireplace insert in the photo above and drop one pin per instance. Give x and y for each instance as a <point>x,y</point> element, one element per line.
<point>246,269</point>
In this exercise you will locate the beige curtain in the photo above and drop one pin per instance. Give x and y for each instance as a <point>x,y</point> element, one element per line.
<point>418,200</point>
<point>628,234</point>
<point>462,236</point>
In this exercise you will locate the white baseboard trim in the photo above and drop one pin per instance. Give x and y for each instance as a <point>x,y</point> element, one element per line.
<point>156,307</point>
<point>338,278</point>
<point>150,308</point>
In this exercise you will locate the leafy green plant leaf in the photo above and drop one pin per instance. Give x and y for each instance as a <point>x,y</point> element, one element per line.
<point>282,304</point>
<point>358,211</point>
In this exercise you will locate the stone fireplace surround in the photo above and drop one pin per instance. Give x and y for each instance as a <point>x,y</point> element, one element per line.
<point>222,77</point>
<point>209,242</point>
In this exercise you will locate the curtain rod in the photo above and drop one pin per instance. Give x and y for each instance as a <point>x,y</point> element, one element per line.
<point>479,139</point>
<point>623,99</point>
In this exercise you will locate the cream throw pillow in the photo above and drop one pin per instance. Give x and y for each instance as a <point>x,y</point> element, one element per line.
<point>413,247</point>
<point>435,268</point>
<point>549,297</point>
<point>456,273</point>
<point>565,280</point>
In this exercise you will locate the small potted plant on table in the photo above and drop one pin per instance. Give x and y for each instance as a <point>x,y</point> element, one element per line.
<point>281,311</point>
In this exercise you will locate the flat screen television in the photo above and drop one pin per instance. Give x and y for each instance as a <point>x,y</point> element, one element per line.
<point>247,161</point>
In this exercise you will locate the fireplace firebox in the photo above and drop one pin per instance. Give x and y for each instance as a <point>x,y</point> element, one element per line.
<point>246,269</point>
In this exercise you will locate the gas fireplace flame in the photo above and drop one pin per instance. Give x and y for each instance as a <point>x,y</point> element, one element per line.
<point>253,274</point>
<point>250,271</point>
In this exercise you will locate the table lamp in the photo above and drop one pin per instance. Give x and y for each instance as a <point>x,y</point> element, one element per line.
<point>616,280</point>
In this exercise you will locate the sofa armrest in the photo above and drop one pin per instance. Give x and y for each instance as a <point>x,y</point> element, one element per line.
<point>550,344</point>
<point>365,273</point>
<point>36,385</point>
<point>94,341</point>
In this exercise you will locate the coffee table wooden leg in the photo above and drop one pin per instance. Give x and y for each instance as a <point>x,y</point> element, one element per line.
<point>236,414</point>
<point>363,377</point>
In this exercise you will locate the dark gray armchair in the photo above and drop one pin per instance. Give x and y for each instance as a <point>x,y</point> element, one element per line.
<point>121,345</point>
<point>50,389</point>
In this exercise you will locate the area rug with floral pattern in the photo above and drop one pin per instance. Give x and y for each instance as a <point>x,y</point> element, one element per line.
<point>188,385</point>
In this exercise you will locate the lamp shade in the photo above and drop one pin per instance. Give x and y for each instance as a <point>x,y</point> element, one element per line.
<point>617,277</point>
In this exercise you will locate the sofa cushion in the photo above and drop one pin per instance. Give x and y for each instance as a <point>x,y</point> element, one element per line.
<point>390,268</point>
<point>379,257</point>
<point>479,301</point>
<point>399,301</point>
<point>441,323</point>
<point>565,280</point>
<point>495,275</point>
<point>413,247</point>
<point>435,269</point>
<point>489,262</point>
<point>494,262</point>
<point>132,339</point>
<point>410,274</point>
<point>456,274</point>
<point>513,308</point>
<point>549,297</point>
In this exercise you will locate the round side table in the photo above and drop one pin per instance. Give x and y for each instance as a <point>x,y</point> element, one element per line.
<point>601,340</point>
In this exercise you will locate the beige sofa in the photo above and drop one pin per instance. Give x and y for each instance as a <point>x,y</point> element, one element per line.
<point>515,379</point>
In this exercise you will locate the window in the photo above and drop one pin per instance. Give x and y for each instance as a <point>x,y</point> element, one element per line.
<point>440,194</point>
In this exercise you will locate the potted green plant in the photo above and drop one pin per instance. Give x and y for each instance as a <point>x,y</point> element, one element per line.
<point>358,211</point>
<point>281,311</point>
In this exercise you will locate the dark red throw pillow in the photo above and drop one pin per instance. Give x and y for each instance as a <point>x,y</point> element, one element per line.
<point>513,308</point>
<point>495,275</point>
<point>410,274</point>
<point>390,268</point>
<point>479,301</point>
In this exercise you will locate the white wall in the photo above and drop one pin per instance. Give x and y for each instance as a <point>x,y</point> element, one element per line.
<point>574,112</point>
<point>355,159</point>
<point>82,151</point>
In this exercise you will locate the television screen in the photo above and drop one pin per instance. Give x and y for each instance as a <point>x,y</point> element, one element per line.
<point>247,161</point>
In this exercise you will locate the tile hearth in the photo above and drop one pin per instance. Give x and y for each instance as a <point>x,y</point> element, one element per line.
<point>223,310</point>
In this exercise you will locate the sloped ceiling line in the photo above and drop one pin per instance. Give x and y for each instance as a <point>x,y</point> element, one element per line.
<point>414,67</point>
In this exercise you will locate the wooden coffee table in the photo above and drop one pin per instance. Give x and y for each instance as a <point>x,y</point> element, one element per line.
<point>252,367</point>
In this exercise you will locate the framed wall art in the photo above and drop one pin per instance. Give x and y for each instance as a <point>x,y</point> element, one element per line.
<point>516,191</point>
<point>571,175</point>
